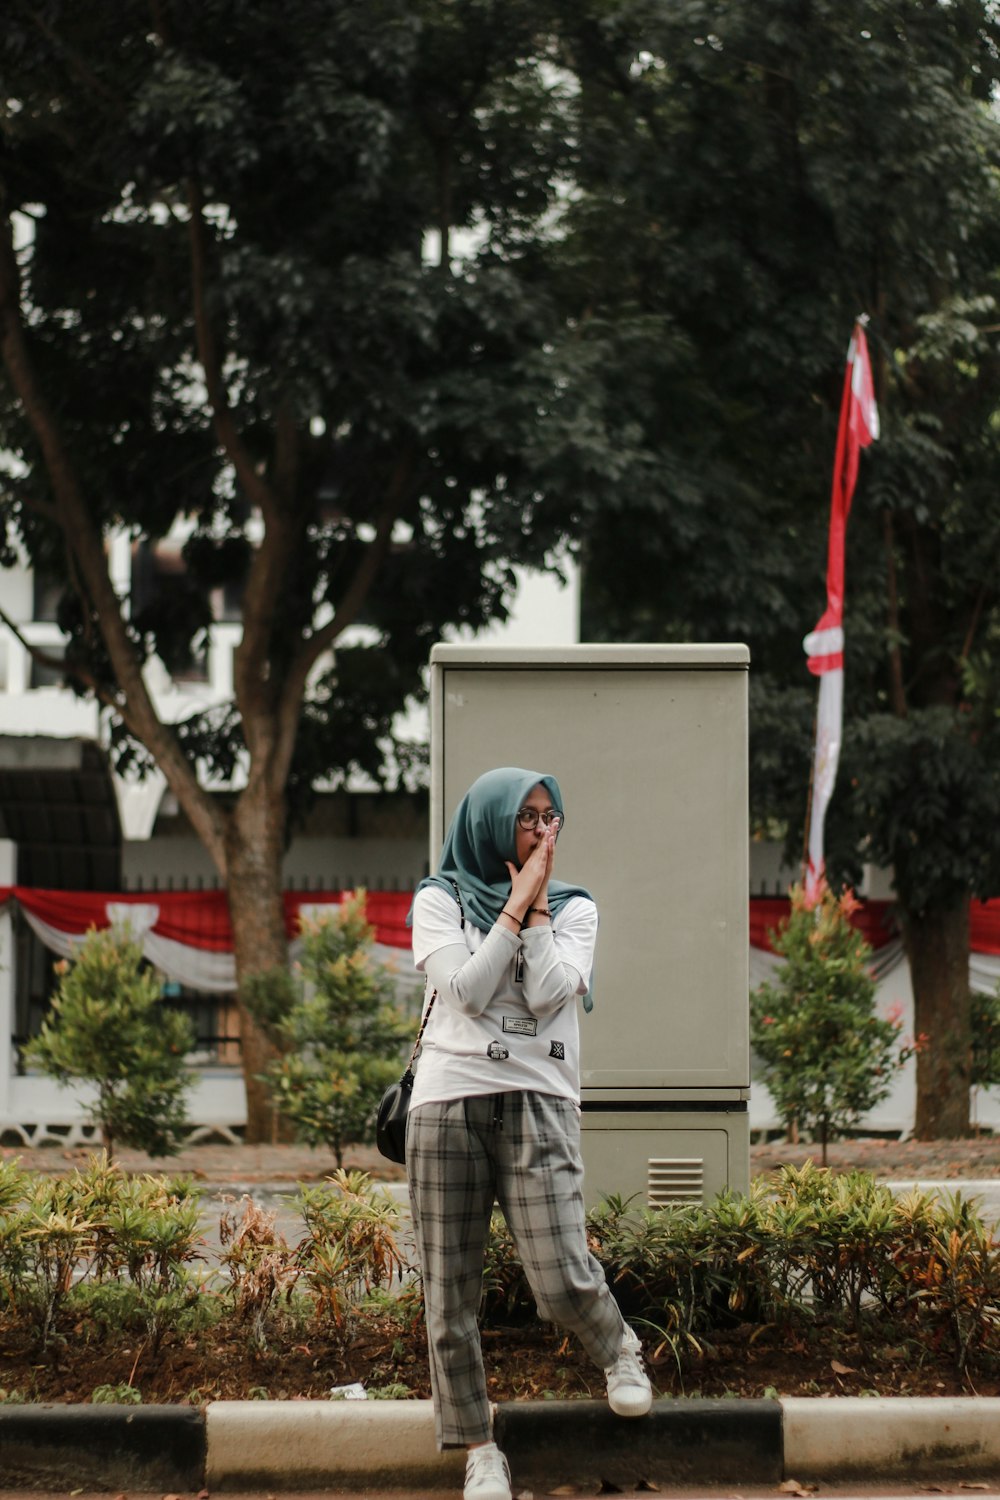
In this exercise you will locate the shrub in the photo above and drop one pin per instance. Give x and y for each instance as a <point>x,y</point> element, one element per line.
<point>827,1057</point>
<point>955,1278</point>
<point>819,1254</point>
<point>506,1295</point>
<point>261,1265</point>
<point>108,1027</point>
<point>56,1242</point>
<point>341,1037</point>
<point>809,1247</point>
<point>351,1248</point>
<point>119,1247</point>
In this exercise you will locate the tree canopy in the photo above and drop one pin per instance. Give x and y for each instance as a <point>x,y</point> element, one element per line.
<point>796,165</point>
<point>243,300</point>
<point>282,276</point>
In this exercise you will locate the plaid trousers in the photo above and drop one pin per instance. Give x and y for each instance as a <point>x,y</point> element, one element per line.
<point>522,1149</point>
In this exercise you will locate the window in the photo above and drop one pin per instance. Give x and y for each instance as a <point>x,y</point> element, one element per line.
<point>47,591</point>
<point>214,1019</point>
<point>44,676</point>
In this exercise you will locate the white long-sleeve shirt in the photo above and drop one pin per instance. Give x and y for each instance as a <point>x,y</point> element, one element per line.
<point>506,1014</point>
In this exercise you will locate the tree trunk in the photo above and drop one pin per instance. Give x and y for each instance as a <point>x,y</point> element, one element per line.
<point>937,946</point>
<point>255,846</point>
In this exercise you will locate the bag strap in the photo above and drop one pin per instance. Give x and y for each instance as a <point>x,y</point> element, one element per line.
<point>458,898</point>
<point>430,1003</point>
<point>423,1027</point>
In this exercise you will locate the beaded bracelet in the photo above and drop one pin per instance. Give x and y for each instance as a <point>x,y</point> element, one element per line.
<point>540,911</point>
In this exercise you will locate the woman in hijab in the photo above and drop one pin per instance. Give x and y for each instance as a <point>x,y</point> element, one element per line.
<point>495,1109</point>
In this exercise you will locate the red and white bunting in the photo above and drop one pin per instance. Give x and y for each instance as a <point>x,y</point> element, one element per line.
<point>189,938</point>
<point>187,935</point>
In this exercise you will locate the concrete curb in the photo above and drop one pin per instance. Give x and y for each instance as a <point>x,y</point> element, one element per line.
<point>932,1436</point>
<point>102,1447</point>
<point>300,1445</point>
<point>351,1445</point>
<point>554,1443</point>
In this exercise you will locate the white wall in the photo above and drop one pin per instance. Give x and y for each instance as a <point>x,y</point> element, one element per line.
<point>17,592</point>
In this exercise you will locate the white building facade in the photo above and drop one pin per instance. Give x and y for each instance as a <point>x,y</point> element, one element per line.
<point>68,823</point>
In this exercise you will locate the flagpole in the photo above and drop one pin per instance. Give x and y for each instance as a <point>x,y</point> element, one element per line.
<point>804,866</point>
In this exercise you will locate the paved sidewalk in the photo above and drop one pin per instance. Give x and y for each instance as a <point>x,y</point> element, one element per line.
<point>218,1163</point>
<point>224,1164</point>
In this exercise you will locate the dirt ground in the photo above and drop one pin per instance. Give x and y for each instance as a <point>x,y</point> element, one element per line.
<point>522,1363</point>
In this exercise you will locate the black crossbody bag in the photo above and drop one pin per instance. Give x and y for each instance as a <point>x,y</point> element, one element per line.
<point>390,1126</point>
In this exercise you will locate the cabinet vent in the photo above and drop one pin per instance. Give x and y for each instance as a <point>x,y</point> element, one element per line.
<point>675,1179</point>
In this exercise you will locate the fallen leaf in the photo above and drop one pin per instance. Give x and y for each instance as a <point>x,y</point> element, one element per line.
<point>839,1369</point>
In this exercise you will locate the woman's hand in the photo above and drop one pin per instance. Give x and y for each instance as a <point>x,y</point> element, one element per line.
<point>529,884</point>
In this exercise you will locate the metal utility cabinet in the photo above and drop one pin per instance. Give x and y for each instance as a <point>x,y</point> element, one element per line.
<point>649,744</point>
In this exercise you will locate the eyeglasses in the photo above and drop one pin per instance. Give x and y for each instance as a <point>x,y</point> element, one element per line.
<point>528,818</point>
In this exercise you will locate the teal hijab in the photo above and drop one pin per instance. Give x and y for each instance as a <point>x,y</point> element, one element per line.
<point>482,838</point>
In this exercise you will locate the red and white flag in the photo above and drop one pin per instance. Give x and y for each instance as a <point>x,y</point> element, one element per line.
<point>824,646</point>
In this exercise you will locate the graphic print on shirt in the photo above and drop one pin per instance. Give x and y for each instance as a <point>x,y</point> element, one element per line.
<point>497,1051</point>
<point>522,1025</point>
<point>519,967</point>
<point>558,1049</point>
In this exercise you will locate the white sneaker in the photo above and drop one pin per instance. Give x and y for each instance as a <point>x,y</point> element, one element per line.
<point>629,1391</point>
<point>487,1476</point>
